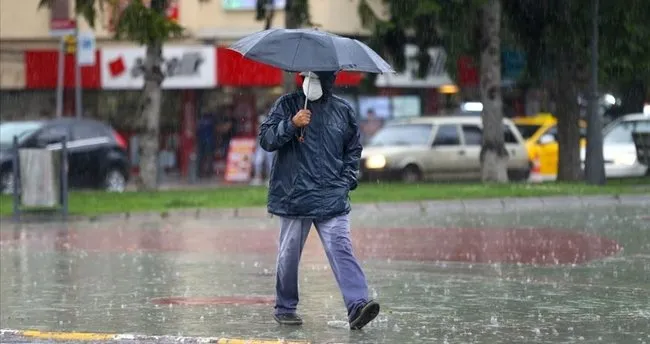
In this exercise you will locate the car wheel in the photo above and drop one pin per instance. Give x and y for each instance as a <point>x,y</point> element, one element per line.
<point>411,174</point>
<point>7,181</point>
<point>115,181</point>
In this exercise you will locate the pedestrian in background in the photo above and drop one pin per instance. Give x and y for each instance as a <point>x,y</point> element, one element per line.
<point>263,162</point>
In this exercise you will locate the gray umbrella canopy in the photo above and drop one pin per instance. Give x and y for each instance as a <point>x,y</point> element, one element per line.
<point>300,50</point>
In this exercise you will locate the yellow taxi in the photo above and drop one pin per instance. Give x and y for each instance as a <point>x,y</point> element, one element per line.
<point>540,133</point>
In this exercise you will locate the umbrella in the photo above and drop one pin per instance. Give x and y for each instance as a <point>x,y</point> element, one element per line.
<point>310,50</point>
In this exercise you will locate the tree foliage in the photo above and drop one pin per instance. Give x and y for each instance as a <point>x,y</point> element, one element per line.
<point>145,23</point>
<point>453,24</point>
<point>140,21</point>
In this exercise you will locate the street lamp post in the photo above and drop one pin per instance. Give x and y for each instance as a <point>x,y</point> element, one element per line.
<point>594,162</point>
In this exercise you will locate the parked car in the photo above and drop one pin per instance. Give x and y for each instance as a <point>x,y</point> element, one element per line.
<point>540,133</point>
<point>440,148</point>
<point>97,155</point>
<point>619,150</point>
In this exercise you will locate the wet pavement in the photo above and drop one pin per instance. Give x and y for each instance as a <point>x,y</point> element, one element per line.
<point>527,276</point>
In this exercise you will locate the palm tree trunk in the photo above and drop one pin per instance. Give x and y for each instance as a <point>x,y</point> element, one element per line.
<point>494,156</point>
<point>152,95</point>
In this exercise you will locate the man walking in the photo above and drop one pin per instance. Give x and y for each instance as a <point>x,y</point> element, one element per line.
<point>317,158</point>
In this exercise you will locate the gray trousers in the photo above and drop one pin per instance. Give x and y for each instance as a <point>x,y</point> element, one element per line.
<point>335,236</point>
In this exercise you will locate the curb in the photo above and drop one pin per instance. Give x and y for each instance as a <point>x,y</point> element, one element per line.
<point>111,337</point>
<point>468,206</point>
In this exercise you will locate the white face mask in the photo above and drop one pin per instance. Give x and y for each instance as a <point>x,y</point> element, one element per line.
<point>312,88</point>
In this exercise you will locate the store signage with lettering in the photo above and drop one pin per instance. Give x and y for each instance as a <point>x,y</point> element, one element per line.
<point>183,67</point>
<point>437,74</point>
<point>248,5</point>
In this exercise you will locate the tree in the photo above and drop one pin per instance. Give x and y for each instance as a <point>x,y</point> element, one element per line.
<point>556,35</point>
<point>494,156</point>
<point>144,22</point>
<point>427,23</point>
<point>624,51</point>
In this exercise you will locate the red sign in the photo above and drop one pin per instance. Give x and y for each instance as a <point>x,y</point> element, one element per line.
<point>60,22</point>
<point>40,70</point>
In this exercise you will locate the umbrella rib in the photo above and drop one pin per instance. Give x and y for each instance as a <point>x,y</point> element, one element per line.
<point>293,60</point>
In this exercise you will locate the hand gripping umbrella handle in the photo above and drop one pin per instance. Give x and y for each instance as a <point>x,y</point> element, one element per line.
<point>301,138</point>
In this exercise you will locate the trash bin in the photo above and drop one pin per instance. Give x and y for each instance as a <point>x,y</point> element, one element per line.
<point>642,143</point>
<point>40,176</point>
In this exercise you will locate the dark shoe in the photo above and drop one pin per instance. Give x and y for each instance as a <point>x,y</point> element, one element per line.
<point>288,319</point>
<point>364,315</point>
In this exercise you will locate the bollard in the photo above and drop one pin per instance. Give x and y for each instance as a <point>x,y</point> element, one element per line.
<point>16,172</point>
<point>64,178</point>
<point>193,168</point>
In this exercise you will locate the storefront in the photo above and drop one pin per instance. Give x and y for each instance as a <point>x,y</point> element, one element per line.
<point>200,80</point>
<point>188,71</point>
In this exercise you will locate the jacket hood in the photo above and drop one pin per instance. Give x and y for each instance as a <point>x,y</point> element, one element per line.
<point>327,80</point>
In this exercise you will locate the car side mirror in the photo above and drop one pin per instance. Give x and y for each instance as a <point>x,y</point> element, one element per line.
<point>546,139</point>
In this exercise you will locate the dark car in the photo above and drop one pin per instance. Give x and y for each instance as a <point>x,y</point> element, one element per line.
<point>97,155</point>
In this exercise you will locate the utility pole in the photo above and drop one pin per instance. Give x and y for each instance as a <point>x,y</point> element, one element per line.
<point>77,75</point>
<point>594,161</point>
<point>59,77</point>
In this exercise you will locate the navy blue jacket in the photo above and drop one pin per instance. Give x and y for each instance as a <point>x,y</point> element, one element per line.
<point>312,179</point>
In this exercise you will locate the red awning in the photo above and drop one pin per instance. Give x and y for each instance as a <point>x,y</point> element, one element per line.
<point>41,71</point>
<point>232,70</point>
<point>235,70</point>
<point>342,79</point>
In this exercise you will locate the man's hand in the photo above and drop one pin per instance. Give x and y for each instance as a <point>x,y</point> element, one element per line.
<point>302,118</point>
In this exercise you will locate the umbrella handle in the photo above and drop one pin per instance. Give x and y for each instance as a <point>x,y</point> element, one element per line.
<point>301,138</point>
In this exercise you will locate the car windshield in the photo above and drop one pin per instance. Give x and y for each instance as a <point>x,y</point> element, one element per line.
<point>528,130</point>
<point>402,135</point>
<point>621,133</point>
<point>19,129</point>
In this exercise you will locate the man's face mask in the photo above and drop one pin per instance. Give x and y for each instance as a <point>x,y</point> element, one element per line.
<point>311,86</point>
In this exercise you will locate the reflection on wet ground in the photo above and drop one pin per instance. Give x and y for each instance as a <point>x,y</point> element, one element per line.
<point>538,277</point>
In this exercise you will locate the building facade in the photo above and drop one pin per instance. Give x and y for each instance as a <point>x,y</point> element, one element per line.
<point>203,76</point>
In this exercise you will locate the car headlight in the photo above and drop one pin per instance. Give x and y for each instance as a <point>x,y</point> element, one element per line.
<point>376,162</point>
<point>625,160</point>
